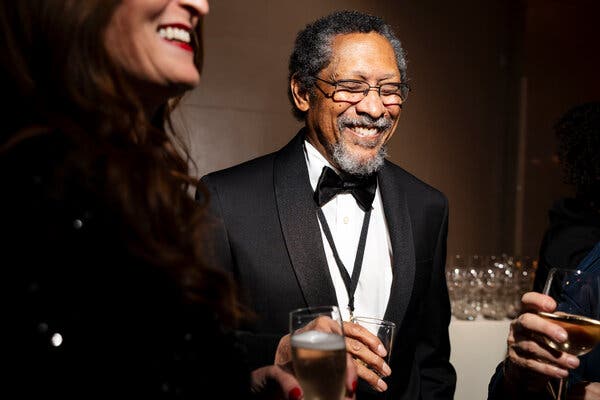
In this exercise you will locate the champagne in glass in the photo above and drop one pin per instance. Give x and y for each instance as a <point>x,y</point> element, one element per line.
<point>577,295</point>
<point>584,333</point>
<point>319,352</point>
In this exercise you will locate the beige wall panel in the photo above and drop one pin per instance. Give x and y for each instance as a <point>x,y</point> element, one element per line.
<point>454,130</point>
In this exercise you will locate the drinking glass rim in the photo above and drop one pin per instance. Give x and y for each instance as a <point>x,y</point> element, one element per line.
<point>330,311</point>
<point>559,314</point>
<point>315,309</point>
<point>374,320</point>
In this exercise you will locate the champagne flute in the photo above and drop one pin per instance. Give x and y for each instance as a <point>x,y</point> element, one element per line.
<point>319,352</point>
<point>577,294</point>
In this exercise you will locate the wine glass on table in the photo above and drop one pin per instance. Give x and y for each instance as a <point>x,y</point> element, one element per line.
<point>319,352</point>
<point>577,295</point>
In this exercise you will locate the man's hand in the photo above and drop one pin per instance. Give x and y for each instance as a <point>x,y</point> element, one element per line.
<point>368,352</point>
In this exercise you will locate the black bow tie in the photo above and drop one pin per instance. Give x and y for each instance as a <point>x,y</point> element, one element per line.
<point>330,184</point>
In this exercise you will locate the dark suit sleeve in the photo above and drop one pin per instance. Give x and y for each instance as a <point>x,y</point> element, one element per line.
<point>438,378</point>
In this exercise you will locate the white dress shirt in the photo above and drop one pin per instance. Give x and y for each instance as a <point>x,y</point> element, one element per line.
<point>345,220</point>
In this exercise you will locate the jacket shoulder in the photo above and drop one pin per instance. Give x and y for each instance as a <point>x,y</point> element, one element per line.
<point>251,169</point>
<point>414,186</point>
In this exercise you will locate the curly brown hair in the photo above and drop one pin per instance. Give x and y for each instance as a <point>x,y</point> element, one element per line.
<point>578,133</point>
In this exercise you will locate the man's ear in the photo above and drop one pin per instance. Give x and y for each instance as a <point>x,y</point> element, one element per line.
<point>301,97</point>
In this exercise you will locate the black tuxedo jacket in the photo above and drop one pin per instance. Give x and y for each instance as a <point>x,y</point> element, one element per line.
<point>267,234</point>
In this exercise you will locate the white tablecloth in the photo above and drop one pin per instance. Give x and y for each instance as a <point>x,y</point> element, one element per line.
<point>476,349</point>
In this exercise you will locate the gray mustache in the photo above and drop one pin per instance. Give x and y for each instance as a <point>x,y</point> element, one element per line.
<point>365,121</point>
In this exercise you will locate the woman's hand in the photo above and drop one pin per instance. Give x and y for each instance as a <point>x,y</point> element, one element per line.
<point>530,360</point>
<point>275,382</point>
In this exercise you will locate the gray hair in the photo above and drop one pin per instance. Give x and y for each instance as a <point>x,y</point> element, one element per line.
<point>312,48</point>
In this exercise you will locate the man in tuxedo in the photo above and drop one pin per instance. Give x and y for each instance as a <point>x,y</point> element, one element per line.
<point>328,220</point>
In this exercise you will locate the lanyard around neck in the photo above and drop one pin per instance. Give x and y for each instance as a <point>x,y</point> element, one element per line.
<point>351,282</point>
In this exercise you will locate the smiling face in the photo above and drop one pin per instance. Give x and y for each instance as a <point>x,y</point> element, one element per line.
<point>352,136</point>
<point>153,41</point>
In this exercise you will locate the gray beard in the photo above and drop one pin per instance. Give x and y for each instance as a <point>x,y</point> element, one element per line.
<point>351,164</point>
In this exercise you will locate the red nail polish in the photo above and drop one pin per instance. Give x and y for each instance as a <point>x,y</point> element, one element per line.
<point>350,393</point>
<point>295,394</point>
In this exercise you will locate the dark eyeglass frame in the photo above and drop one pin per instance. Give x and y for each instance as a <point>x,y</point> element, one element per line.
<point>403,90</point>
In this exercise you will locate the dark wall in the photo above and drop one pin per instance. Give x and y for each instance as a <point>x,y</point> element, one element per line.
<point>561,64</point>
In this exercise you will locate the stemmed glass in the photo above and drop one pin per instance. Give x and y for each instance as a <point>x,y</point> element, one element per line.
<point>319,352</point>
<point>577,294</point>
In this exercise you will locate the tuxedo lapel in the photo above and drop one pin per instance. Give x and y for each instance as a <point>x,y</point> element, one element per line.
<point>298,219</point>
<point>399,224</point>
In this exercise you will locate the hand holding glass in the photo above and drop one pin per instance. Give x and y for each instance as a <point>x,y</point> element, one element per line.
<point>319,352</point>
<point>384,330</point>
<point>577,295</point>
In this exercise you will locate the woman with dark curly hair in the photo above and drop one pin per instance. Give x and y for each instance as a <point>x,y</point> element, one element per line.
<point>107,294</point>
<point>574,221</point>
<point>574,232</point>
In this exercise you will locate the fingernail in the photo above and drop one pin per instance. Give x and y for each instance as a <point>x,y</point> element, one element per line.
<point>381,351</point>
<point>561,335</point>
<point>386,369</point>
<point>381,385</point>
<point>295,394</point>
<point>573,362</point>
<point>350,393</point>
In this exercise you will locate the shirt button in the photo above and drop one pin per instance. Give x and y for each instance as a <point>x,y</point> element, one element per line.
<point>346,219</point>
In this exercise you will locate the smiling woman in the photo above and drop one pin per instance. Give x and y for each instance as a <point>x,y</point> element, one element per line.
<point>156,42</point>
<point>110,295</point>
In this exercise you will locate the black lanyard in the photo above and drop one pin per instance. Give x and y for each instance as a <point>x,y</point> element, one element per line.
<point>350,282</point>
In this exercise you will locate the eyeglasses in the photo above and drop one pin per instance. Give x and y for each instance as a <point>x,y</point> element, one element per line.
<point>353,91</point>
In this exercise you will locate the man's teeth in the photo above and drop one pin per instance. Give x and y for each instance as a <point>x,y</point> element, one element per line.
<point>361,131</point>
<point>172,33</point>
